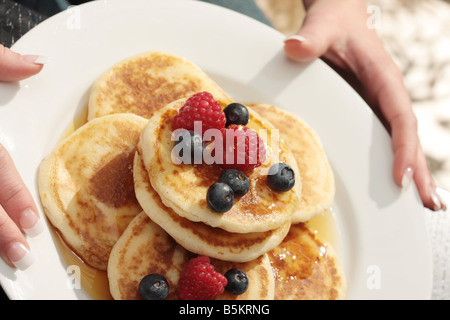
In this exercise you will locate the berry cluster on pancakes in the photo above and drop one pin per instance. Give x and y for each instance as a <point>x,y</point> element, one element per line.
<point>184,187</point>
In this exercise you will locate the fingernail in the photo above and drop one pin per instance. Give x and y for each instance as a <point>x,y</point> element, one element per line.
<point>35,59</point>
<point>295,37</point>
<point>30,223</point>
<point>435,199</point>
<point>443,204</point>
<point>20,256</point>
<point>407,178</point>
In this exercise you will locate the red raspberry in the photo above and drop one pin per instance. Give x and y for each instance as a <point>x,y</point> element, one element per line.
<point>200,107</point>
<point>199,280</point>
<point>246,150</point>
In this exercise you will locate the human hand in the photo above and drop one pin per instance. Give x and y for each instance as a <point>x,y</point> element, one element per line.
<point>15,67</point>
<point>18,212</point>
<point>336,31</point>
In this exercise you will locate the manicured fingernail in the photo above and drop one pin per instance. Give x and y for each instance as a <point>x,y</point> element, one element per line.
<point>295,37</point>
<point>443,204</point>
<point>35,59</point>
<point>407,178</point>
<point>30,223</point>
<point>20,256</point>
<point>435,199</point>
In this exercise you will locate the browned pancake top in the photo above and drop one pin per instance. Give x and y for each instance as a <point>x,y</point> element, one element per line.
<point>137,90</point>
<point>92,186</point>
<point>113,184</point>
<point>318,187</point>
<point>154,255</point>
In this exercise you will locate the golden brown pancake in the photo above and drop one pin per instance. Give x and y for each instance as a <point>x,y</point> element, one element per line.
<point>147,82</point>
<point>146,248</point>
<point>318,186</point>
<point>183,187</point>
<point>198,237</point>
<point>86,185</point>
<point>305,268</point>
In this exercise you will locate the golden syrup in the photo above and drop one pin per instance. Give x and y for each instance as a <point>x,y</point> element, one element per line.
<point>79,120</point>
<point>300,263</point>
<point>93,281</point>
<point>325,227</point>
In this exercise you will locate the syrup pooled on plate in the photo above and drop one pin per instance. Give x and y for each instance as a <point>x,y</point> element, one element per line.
<point>303,265</point>
<point>82,276</point>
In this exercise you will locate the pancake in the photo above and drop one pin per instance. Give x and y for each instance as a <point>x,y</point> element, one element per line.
<point>318,185</point>
<point>183,187</point>
<point>147,82</point>
<point>198,237</point>
<point>86,185</point>
<point>305,268</point>
<point>145,248</point>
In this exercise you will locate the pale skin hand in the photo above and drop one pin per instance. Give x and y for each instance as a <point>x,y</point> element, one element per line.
<point>18,212</point>
<point>336,30</point>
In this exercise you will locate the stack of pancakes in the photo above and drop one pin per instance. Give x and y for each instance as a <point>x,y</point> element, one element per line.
<point>117,199</point>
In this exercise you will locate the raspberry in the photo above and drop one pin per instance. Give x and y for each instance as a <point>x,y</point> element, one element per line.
<point>246,150</point>
<point>200,107</point>
<point>199,280</point>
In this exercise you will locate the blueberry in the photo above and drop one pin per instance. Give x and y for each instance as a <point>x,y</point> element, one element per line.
<point>237,281</point>
<point>153,287</point>
<point>192,143</point>
<point>220,197</point>
<point>236,113</point>
<point>281,177</point>
<point>237,180</point>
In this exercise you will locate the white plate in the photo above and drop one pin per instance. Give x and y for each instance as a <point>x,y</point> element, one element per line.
<point>383,241</point>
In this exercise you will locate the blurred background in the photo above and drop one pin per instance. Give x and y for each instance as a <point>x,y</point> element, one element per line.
<point>415,32</point>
